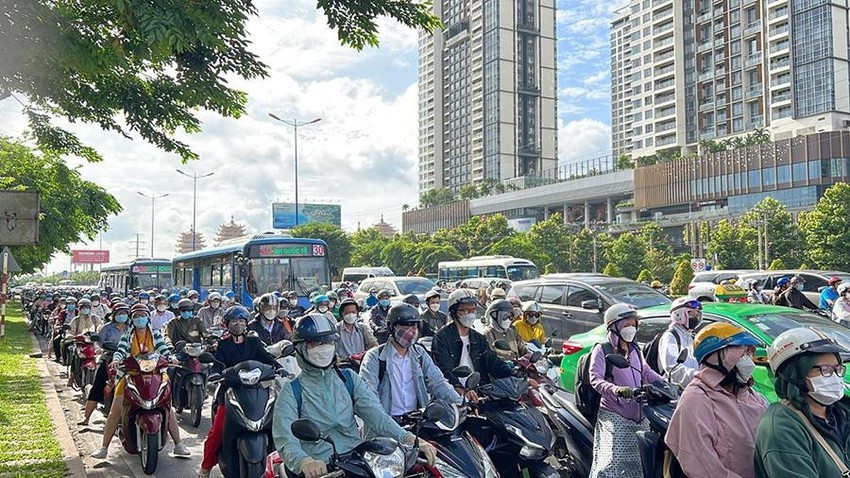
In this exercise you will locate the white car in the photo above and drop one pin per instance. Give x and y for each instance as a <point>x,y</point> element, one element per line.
<point>703,284</point>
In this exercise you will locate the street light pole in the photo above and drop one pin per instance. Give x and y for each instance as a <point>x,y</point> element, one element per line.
<point>194,177</point>
<point>295,124</point>
<point>153,197</point>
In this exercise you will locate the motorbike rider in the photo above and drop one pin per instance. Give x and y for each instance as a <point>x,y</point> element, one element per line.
<point>354,335</point>
<point>110,332</point>
<point>779,291</point>
<point>295,309</point>
<point>755,295</point>
<point>499,317</point>
<point>195,297</point>
<point>160,316</point>
<point>829,294</point>
<point>372,299</point>
<point>333,302</point>
<point>268,328</point>
<point>139,338</point>
<point>517,305</point>
<point>232,349</point>
<point>401,373</point>
<point>65,317</point>
<point>712,432</point>
<point>187,327</point>
<point>82,323</point>
<point>145,299</point>
<point>433,316</point>
<point>805,433</point>
<point>458,344</point>
<point>321,305</point>
<point>378,316</point>
<point>528,326</point>
<point>99,308</point>
<point>325,399</point>
<point>685,317</point>
<point>841,309</point>
<point>174,304</point>
<point>496,294</point>
<point>211,312</point>
<point>413,299</point>
<point>794,296</point>
<point>615,446</point>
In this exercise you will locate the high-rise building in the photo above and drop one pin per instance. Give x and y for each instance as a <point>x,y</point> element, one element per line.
<point>684,71</point>
<point>487,93</point>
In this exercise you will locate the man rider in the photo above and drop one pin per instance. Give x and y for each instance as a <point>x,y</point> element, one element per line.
<point>779,291</point>
<point>830,294</point>
<point>173,304</point>
<point>413,299</point>
<point>354,335</point>
<point>211,313</point>
<point>326,400</point>
<point>499,317</point>
<point>161,316</point>
<point>372,299</point>
<point>794,297</point>
<point>685,317</point>
<point>187,326</point>
<point>378,316</point>
<point>295,310</point>
<point>432,316</point>
<point>458,344</point>
<point>265,323</point>
<point>402,373</point>
<point>321,305</point>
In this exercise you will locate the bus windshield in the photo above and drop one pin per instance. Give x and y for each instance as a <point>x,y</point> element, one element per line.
<point>160,280</point>
<point>525,272</point>
<point>277,274</point>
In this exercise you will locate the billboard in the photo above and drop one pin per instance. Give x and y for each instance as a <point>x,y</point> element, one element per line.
<point>89,257</point>
<point>283,214</point>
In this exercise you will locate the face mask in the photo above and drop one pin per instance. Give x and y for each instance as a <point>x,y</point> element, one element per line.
<point>693,322</point>
<point>121,318</point>
<point>174,305</point>
<point>282,313</point>
<point>143,301</point>
<point>405,337</point>
<point>215,304</point>
<point>800,287</point>
<point>293,302</point>
<point>827,390</point>
<point>322,308</point>
<point>140,322</point>
<point>505,324</point>
<point>269,314</point>
<point>434,307</point>
<point>384,303</point>
<point>349,318</point>
<point>321,355</point>
<point>237,328</point>
<point>70,307</point>
<point>533,320</point>
<point>745,368</point>
<point>160,308</point>
<point>332,304</point>
<point>628,333</point>
<point>467,320</point>
<point>85,311</point>
<point>186,314</point>
<point>95,304</point>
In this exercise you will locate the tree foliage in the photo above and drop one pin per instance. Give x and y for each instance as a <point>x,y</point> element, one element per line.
<point>72,209</point>
<point>339,245</point>
<point>436,197</point>
<point>776,265</point>
<point>733,245</point>
<point>627,252</point>
<point>366,246</point>
<point>681,278</point>
<point>782,232</point>
<point>612,270</point>
<point>552,237</point>
<point>520,246</point>
<point>827,229</point>
<point>645,276</point>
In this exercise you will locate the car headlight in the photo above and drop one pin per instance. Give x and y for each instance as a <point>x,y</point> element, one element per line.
<point>448,471</point>
<point>386,466</point>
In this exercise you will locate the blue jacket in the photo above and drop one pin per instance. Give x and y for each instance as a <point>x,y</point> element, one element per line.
<point>430,382</point>
<point>827,298</point>
<point>325,400</point>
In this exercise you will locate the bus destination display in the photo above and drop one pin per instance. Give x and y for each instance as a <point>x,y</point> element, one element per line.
<point>288,250</point>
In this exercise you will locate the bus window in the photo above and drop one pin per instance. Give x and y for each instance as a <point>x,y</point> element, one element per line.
<point>308,274</point>
<point>226,278</point>
<point>493,271</point>
<point>206,275</point>
<point>268,275</point>
<point>216,274</point>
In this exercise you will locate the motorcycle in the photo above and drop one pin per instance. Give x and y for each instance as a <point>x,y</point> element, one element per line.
<point>147,404</point>
<point>83,363</point>
<point>106,352</point>
<point>190,379</point>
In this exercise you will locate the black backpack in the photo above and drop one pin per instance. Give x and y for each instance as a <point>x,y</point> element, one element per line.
<point>586,397</point>
<point>650,351</point>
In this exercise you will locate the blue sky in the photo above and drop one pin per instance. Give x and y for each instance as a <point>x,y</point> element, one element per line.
<point>363,153</point>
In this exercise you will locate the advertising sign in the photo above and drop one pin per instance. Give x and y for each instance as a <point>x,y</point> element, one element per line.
<point>283,214</point>
<point>522,224</point>
<point>80,256</point>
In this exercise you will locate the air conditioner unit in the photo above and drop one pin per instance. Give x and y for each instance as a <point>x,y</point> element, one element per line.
<point>845,123</point>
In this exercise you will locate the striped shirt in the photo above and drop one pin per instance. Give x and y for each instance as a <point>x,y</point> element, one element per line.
<point>130,344</point>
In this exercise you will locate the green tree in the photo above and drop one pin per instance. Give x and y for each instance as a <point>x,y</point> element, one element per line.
<point>782,232</point>
<point>624,161</point>
<point>366,245</point>
<point>734,245</point>
<point>654,237</point>
<point>400,255</point>
<point>776,265</point>
<point>148,67</point>
<point>681,279</point>
<point>480,233</point>
<point>436,197</point>
<point>827,229</point>
<point>553,237</point>
<point>581,251</point>
<point>627,252</point>
<point>72,209</point>
<point>518,245</point>
<point>612,270</point>
<point>430,255</point>
<point>468,191</point>
<point>660,264</point>
<point>339,246</point>
<point>644,276</point>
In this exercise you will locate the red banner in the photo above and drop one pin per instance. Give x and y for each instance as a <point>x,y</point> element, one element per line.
<point>89,257</point>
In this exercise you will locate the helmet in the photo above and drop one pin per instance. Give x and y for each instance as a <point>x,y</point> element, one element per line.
<point>680,310</point>
<point>720,335</point>
<point>843,287</point>
<point>333,296</point>
<point>618,312</point>
<point>412,299</point>
<point>144,295</point>
<point>498,305</point>
<point>276,293</point>
<point>346,302</point>
<point>465,296</point>
<point>192,292</point>
<point>122,307</point>
<point>515,301</point>
<point>268,299</point>
<point>138,308</point>
<point>185,303</point>
<point>214,296</point>
<point>431,294</point>
<point>319,299</point>
<point>291,294</point>
<point>656,284</point>
<point>530,306</point>
<point>174,298</point>
<point>71,300</point>
<point>385,293</point>
<point>498,293</point>
<point>782,281</point>
<point>236,312</point>
<point>314,328</point>
<point>404,314</point>
<point>230,294</point>
<point>84,303</point>
<point>798,341</point>
<point>834,280</point>
<point>798,280</point>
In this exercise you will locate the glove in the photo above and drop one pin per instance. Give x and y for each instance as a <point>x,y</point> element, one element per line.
<point>428,450</point>
<point>313,468</point>
<point>624,392</point>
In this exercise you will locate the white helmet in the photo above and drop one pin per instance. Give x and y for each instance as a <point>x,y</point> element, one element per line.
<point>798,341</point>
<point>458,296</point>
<point>843,287</point>
<point>530,306</point>
<point>618,312</point>
<point>498,293</point>
<point>213,296</point>
<point>680,311</point>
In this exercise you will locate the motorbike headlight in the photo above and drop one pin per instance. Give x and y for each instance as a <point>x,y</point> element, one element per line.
<point>448,471</point>
<point>250,377</point>
<point>194,350</point>
<point>386,466</point>
<point>147,365</point>
<point>542,366</point>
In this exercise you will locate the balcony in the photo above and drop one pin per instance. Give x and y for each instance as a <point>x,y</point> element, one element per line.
<point>753,60</point>
<point>778,14</point>
<point>664,70</point>
<point>704,17</point>
<point>663,43</point>
<point>706,105</point>
<point>779,64</point>
<point>753,28</point>
<point>666,140</point>
<point>707,135</point>
<point>665,112</point>
<point>661,99</point>
<point>756,121</point>
<point>779,30</point>
<point>706,75</point>
<point>780,47</point>
<point>664,56</point>
<point>663,29</point>
<point>665,126</point>
<point>754,91</point>
<point>705,46</point>
<point>781,80</point>
<point>665,84</point>
<point>781,97</point>
<point>720,41</point>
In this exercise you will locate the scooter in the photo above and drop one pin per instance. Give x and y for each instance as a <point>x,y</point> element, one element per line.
<point>82,359</point>
<point>190,379</point>
<point>106,352</point>
<point>147,405</point>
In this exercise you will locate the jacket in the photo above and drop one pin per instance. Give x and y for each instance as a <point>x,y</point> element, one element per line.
<point>713,432</point>
<point>510,335</point>
<point>528,332</point>
<point>274,336</point>
<point>828,297</point>
<point>446,350</point>
<point>80,324</point>
<point>210,316</point>
<point>188,330</point>
<point>125,346</point>
<point>325,400</point>
<point>785,447</point>
<point>430,382</point>
<point>369,340</point>
<point>435,321</point>
<point>796,299</point>
<point>668,353</point>
<point>378,322</point>
<point>230,353</point>
<point>841,310</point>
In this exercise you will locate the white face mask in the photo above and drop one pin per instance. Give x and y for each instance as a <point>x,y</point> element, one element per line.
<point>434,307</point>
<point>533,320</point>
<point>628,333</point>
<point>95,304</point>
<point>349,318</point>
<point>293,302</point>
<point>143,301</point>
<point>505,324</point>
<point>160,308</point>
<point>827,390</point>
<point>269,314</point>
<point>321,355</point>
<point>322,309</point>
<point>745,368</point>
<point>467,320</point>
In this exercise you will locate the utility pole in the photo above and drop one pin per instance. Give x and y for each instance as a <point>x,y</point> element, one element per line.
<point>761,256</point>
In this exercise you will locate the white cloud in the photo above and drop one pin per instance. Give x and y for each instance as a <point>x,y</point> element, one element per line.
<point>583,139</point>
<point>588,93</point>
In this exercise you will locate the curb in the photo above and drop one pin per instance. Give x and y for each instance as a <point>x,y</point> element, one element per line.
<point>57,416</point>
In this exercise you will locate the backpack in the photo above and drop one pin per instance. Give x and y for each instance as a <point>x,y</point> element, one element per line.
<point>344,374</point>
<point>586,397</point>
<point>650,351</point>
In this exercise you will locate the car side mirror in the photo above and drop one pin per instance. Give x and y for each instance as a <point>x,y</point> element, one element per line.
<point>617,360</point>
<point>591,304</point>
<point>306,430</point>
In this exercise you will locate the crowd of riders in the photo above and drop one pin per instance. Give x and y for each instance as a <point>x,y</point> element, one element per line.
<point>720,427</point>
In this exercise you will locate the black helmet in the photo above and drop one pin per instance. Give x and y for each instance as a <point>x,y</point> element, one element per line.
<point>412,299</point>
<point>236,312</point>
<point>498,305</point>
<point>314,327</point>
<point>404,314</point>
<point>345,303</point>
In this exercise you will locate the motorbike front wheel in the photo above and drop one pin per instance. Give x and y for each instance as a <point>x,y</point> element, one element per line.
<point>149,452</point>
<point>196,401</point>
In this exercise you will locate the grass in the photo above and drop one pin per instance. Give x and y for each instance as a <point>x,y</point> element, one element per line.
<point>28,446</point>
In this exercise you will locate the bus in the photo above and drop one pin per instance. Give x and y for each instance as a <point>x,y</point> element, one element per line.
<point>253,265</point>
<point>140,273</point>
<point>505,267</point>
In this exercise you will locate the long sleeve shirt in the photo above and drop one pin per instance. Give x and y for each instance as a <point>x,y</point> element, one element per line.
<point>668,353</point>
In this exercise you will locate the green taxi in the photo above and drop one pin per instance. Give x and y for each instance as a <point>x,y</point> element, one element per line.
<point>765,322</point>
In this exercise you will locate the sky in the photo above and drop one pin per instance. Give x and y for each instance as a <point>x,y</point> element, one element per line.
<point>362,155</point>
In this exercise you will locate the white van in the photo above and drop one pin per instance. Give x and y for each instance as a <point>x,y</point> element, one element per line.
<point>357,274</point>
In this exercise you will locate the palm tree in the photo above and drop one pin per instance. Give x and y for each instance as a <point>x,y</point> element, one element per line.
<point>405,207</point>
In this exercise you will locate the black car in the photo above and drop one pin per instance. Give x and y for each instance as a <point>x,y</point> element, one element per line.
<point>576,303</point>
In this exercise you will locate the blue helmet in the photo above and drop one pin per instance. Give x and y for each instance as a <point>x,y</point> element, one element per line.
<point>230,294</point>
<point>320,298</point>
<point>782,281</point>
<point>720,335</point>
<point>144,295</point>
<point>236,312</point>
<point>174,298</point>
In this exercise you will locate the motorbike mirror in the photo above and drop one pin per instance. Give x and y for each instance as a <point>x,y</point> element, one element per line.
<point>94,337</point>
<point>473,380</point>
<point>433,412</point>
<point>617,360</point>
<point>502,344</point>
<point>462,371</point>
<point>548,343</point>
<point>287,349</point>
<point>683,355</point>
<point>760,356</point>
<point>306,430</point>
<point>536,356</point>
<point>206,357</point>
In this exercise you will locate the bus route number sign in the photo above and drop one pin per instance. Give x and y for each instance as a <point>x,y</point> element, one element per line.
<point>289,250</point>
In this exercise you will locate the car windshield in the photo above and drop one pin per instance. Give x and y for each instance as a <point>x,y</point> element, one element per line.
<point>518,273</point>
<point>775,323</point>
<point>635,294</point>
<point>415,285</point>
